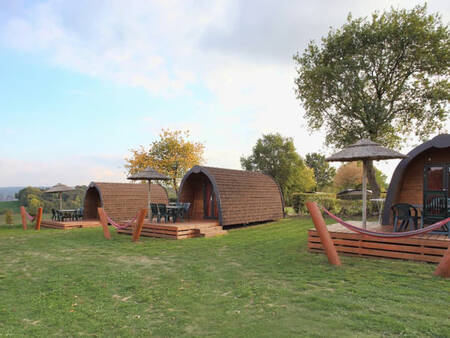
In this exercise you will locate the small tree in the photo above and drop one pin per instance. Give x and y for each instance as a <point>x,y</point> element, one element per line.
<point>323,172</point>
<point>348,176</point>
<point>8,217</point>
<point>276,156</point>
<point>172,155</point>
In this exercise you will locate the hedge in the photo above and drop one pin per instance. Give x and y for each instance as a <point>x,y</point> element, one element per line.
<point>331,203</point>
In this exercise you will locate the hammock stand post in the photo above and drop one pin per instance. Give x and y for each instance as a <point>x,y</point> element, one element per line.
<point>38,219</point>
<point>325,236</point>
<point>443,268</point>
<point>24,217</point>
<point>104,223</point>
<point>140,222</point>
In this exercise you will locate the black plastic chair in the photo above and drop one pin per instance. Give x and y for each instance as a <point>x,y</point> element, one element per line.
<point>155,212</point>
<point>407,214</point>
<point>162,209</point>
<point>54,218</point>
<point>185,210</point>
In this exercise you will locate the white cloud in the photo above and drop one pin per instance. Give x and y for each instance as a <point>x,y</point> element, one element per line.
<point>239,50</point>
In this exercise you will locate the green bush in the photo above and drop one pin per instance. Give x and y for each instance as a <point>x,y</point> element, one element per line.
<point>8,217</point>
<point>332,204</point>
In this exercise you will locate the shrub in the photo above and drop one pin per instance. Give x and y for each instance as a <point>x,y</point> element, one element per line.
<point>8,217</point>
<point>332,204</point>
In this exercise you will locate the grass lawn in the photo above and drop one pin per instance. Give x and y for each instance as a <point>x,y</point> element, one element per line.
<point>256,281</point>
<point>14,206</point>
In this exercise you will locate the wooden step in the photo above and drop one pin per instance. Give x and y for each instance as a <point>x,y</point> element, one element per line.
<point>216,233</point>
<point>212,231</point>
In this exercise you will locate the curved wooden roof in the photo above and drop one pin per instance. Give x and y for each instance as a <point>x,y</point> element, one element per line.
<point>122,201</point>
<point>438,142</point>
<point>242,196</point>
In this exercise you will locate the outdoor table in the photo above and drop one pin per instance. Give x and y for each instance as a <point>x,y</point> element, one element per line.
<point>67,212</point>
<point>173,210</point>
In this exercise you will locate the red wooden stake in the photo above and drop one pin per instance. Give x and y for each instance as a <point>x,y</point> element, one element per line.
<point>38,219</point>
<point>325,236</point>
<point>24,217</point>
<point>443,268</point>
<point>140,223</point>
<point>104,222</point>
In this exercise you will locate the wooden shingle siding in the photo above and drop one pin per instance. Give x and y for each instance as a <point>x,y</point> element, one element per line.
<point>243,196</point>
<point>121,201</point>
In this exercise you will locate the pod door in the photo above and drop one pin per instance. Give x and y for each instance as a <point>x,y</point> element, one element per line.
<point>210,210</point>
<point>436,204</point>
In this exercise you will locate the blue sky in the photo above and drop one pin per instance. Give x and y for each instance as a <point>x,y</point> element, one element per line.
<point>84,82</point>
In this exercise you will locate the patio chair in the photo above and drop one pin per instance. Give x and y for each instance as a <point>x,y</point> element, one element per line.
<point>163,212</point>
<point>407,214</point>
<point>54,217</point>
<point>80,213</point>
<point>184,212</point>
<point>155,212</point>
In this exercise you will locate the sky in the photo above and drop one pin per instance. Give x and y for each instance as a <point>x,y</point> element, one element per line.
<point>83,82</point>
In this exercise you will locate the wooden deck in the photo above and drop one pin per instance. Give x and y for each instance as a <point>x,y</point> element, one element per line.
<point>426,248</point>
<point>179,230</point>
<point>48,223</point>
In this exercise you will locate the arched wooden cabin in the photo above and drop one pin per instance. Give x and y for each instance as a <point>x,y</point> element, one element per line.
<point>231,196</point>
<point>423,179</point>
<point>121,201</point>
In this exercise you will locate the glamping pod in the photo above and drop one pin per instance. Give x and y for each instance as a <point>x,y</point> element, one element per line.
<point>121,201</point>
<point>231,196</point>
<point>423,179</point>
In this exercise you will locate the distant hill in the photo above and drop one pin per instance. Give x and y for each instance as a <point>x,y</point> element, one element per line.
<point>8,193</point>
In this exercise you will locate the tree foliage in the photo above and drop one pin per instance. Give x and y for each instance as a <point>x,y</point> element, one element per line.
<point>276,156</point>
<point>172,155</point>
<point>8,217</point>
<point>323,172</point>
<point>349,176</point>
<point>381,78</point>
<point>32,198</point>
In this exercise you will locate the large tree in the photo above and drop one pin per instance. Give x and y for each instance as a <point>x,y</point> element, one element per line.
<point>276,156</point>
<point>323,172</point>
<point>382,78</point>
<point>172,154</point>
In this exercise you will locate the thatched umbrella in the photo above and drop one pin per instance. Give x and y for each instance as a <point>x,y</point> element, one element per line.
<point>365,150</point>
<point>148,174</point>
<point>59,189</point>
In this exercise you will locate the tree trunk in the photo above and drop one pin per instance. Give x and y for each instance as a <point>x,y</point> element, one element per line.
<point>372,181</point>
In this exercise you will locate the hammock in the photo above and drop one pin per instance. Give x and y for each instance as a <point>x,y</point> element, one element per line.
<point>30,218</point>
<point>117,225</point>
<point>388,234</point>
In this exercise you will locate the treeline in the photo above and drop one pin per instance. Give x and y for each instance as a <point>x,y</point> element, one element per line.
<point>33,198</point>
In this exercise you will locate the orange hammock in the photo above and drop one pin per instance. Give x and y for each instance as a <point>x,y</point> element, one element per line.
<point>388,234</point>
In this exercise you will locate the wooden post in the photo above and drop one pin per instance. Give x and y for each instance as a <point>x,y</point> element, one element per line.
<point>139,224</point>
<point>104,222</point>
<point>24,217</point>
<point>325,236</point>
<point>443,268</point>
<point>38,219</point>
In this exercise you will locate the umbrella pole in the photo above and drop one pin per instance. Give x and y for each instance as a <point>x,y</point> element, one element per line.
<point>364,191</point>
<point>60,201</point>
<point>149,203</point>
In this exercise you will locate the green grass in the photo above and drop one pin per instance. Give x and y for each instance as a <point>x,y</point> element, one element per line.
<point>258,281</point>
<point>14,206</point>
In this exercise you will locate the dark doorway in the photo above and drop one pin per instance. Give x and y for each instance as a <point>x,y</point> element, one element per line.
<point>209,202</point>
<point>436,206</point>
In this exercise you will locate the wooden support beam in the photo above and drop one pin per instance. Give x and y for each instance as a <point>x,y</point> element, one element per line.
<point>443,268</point>
<point>24,217</point>
<point>140,222</point>
<point>325,236</point>
<point>38,219</point>
<point>104,222</point>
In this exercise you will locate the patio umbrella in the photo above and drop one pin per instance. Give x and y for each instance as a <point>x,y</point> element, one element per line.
<point>148,174</point>
<point>59,189</point>
<point>364,150</point>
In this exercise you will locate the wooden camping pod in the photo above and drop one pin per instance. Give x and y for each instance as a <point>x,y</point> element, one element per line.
<point>121,201</point>
<point>231,196</point>
<point>407,183</point>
